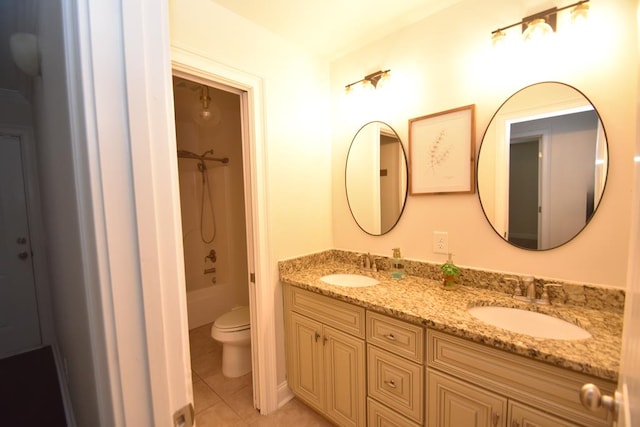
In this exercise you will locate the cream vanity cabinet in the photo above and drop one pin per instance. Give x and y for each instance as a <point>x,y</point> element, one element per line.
<point>395,372</point>
<point>470,384</point>
<point>326,355</point>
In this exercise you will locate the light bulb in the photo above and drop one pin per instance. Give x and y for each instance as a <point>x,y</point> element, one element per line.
<point>537,30</point>
<point>498,38</point>
<point>205,114</point>
<point>383,81</point>
<point>367,86</point>
<point>580,13</point>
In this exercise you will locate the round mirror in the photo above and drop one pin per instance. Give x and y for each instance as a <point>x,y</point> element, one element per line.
<point>542,166</point>
<point>376,178</point>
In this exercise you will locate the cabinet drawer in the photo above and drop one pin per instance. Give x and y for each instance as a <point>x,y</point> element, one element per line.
<point>395,382</point>
<point>523,416</point>
<point>543,386</point>
<point>381,416</point>
<point>339,314</point>
<point>398,337</point>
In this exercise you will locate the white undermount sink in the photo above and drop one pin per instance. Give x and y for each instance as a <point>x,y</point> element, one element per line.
<point>530,323</point>
<point>349,280</point>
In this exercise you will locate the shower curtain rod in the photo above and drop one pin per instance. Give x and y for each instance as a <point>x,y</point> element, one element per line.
<point>189,155</point>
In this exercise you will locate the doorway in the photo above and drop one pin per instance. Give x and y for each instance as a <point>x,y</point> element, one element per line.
<point>19,316</point>
<point>216,233</point>
<point>524,191</point>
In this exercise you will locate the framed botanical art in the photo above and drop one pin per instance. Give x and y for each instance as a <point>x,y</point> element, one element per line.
<point>442,152</point>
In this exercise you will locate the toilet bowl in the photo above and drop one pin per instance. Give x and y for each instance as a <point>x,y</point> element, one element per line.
<point>233,331</point>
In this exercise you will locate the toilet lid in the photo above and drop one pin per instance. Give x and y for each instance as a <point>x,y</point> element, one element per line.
<point>234,319</point>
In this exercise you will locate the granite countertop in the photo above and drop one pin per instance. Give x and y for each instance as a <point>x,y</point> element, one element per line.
<point>425,302</point>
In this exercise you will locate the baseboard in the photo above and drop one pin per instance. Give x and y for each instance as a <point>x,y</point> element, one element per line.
<point>284,394</point>
<point>64,391</point>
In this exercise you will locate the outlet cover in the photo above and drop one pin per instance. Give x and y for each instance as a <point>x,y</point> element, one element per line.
<point>440,242</point>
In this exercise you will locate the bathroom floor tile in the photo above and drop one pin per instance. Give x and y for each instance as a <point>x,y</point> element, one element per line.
<point>224,386</point>
<point>219,415</point>
<point>293,413</point>
<point>200,340</point>
<point>203,396</point>
<point>242,403</point>
<point>206,364</point>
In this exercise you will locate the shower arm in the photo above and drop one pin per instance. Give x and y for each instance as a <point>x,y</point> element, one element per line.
<point>189,155</point>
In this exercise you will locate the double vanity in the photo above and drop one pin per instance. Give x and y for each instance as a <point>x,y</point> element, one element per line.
<point>366,349</point>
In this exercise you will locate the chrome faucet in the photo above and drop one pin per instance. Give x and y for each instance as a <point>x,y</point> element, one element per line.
<point>369,262</point>
<point>530,287</point>
<point>527,292</point>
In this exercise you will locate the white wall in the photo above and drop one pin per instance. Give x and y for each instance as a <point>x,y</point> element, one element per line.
<point>298,146</point>
<point>448,61</point>
<point>60,217</point>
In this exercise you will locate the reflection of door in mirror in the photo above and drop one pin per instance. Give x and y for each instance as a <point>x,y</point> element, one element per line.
<point>553,214</point>
<point>524,202</point>
<point>363,174</point>
<point>376,178</point>
<point>391,194</point>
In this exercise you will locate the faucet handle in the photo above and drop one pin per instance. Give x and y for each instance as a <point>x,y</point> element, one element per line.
<point>517,291</point>
<point>366,261</point>
<point>544,298</point>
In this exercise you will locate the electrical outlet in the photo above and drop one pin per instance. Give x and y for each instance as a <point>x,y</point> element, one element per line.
<point>440,242</point>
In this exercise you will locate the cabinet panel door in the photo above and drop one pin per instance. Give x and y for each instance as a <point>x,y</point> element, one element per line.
<point>306,365</point>
<point>345,378</point>
<point>381,416</point>
<point>453,403</point>
<point>524,416</point>
<point>396,382</point>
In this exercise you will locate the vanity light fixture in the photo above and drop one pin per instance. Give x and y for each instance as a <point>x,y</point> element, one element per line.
<point>542,23</point>
<point>373,80</point>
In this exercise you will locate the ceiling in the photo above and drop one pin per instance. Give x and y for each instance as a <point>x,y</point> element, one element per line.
<point>332,28</point>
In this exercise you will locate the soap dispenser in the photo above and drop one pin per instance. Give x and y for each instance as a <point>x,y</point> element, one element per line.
<point>397,266</point>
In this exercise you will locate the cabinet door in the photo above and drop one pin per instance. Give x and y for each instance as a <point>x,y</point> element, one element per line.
<point>453,403</point>
<point>524,416</point>
<point>306,365</point>
<point>344,378</point>
<point>396,382</point>
<point>379,415</point>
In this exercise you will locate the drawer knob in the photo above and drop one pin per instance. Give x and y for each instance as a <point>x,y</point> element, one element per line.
<point>390,337</point>
<point>317,335</point>
<point>592,399</point>
<point>391,384</point>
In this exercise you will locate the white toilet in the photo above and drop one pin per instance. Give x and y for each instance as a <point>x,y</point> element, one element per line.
<point>233,331</point>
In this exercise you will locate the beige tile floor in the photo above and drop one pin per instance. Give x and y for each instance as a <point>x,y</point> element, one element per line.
<point>222,402</point>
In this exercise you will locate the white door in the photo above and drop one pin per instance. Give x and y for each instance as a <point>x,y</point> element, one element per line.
<point>627,399</point>
<point>19,323</point>
<point>629,377</point>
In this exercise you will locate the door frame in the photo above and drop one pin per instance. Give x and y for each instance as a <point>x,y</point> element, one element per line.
<point>36,229</point>
<point>262,304</point>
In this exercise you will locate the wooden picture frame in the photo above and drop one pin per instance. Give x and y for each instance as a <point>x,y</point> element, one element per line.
<point>442,152</point>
